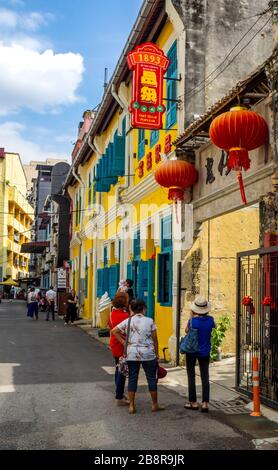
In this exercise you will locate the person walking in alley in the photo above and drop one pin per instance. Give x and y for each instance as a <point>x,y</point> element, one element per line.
<point>50,297</point>
<point>71,308</point>
<point>32,304</point>
<point>119,313</point>
<point>142,348</point>
<point>204,324</point>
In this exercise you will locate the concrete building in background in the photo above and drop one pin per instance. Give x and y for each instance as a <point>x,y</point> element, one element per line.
<point>16,217</point>
<point>32,172</point>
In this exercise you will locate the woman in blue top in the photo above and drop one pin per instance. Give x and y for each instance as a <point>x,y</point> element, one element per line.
<point>204,323</point>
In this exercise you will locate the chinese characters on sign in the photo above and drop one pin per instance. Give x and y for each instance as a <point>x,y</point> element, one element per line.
<point>196,262</point>
<point>221,166</point>
<point>149,64</point>
<point>168,144</point>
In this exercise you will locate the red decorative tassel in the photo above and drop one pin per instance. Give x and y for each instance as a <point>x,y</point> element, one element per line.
<point>241,187</point>
<point>238,159</point>
<point>176,194</point>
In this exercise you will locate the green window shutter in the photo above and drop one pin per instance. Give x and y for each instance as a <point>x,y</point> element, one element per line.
<point>119,155</point>
<point>99,282</point>
<point>105,256</point>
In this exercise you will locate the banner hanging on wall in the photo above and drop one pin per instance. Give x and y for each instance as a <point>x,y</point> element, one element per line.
<point>149,65</point>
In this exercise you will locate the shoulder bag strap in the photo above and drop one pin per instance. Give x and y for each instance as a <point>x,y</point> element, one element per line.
<point>127,336</point>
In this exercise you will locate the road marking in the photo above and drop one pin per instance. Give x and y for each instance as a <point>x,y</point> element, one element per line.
<point>7,389</point>
<point>7,377</point>
<point>109,370</point>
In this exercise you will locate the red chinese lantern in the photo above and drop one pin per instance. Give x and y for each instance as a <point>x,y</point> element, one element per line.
<point>177,175</point>
<point>238,131</point>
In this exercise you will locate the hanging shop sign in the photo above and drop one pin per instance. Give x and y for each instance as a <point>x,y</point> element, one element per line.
<point>149,65</point>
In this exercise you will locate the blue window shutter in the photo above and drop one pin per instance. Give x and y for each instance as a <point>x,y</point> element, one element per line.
<point>106,280</point>
<point>124,127</point>
<point>166,233</point>
<point>119,155</point>
<point>160,278</point>
<point>141,143</point>
<point>113,280</point>
<point>129,271</point>
<point>171,87</point>
<point>136,246</point>
<point>109,152</point>
<point>143,280</point>
<point>154,137</point>
<point>99,282</point>
<point>151,277</point>
<point>105,258</point>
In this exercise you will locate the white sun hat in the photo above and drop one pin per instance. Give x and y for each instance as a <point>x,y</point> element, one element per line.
<point>201,305</point>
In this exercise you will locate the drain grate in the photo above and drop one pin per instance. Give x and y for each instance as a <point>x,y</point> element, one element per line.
<point>231,407</point>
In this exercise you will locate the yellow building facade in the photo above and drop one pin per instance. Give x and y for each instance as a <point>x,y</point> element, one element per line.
<point>122,219</point>
<point>16,217</point>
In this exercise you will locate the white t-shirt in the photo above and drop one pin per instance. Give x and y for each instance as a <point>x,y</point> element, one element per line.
<point>32,297</point>
<point>51,295</point>
<point>140,345</point>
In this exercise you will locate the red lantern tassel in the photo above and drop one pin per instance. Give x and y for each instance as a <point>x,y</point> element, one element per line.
<point>241,187</point>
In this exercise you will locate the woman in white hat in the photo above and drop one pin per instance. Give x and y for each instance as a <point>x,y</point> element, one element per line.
<point>204,323</point>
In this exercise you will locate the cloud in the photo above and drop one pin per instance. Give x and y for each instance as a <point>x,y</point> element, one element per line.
<point>38,81</point>
<point>30,21</point>
<point>12,139</point>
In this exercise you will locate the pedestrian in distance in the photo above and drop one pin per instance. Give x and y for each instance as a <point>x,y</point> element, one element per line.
<point>32,304</point>
<point>142,349</point>
<point>118,314</point>
<point>130,292</point>
<point>50,297</point>
<point>71,308</point>
<point>204,324</point>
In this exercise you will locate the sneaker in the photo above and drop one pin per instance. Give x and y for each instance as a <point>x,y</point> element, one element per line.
<point>65,323</point>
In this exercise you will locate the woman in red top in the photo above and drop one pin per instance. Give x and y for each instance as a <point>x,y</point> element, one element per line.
<point>118,314</point>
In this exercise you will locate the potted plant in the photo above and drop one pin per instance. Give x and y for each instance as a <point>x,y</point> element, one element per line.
<point>217,337</point>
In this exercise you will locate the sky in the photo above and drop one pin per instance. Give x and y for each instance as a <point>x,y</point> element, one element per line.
<point>52,58</point>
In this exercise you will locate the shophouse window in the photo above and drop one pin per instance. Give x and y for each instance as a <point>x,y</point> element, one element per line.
<point>141,143</point>
<point>172,87</point>
<point>165,260</point>
<point>154,136</point>
<point>136,245</point>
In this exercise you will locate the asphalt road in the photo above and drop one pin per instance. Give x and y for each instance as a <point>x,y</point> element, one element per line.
<point>56,392</point>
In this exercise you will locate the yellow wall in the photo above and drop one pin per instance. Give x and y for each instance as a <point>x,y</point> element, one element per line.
<point>212,260</point>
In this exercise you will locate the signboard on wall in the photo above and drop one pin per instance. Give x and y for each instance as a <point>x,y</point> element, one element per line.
<point>61,278</point>
<point>149,65</point>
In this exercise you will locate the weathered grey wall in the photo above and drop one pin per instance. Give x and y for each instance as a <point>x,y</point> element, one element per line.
<point>213,27</point>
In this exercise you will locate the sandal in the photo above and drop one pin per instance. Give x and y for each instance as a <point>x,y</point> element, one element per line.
<point>189,406</point>
<point>158,408</point>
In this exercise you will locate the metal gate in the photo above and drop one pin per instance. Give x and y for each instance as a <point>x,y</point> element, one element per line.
<point>257,321</point>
